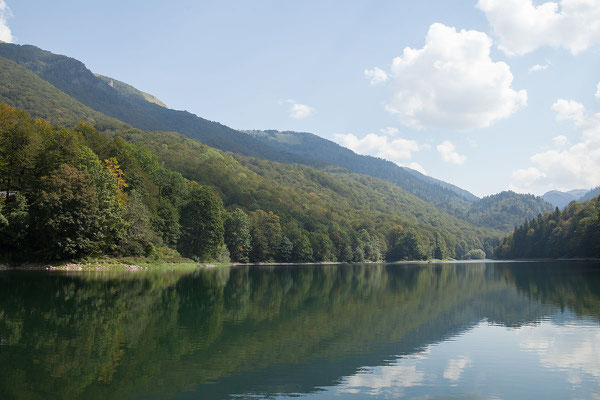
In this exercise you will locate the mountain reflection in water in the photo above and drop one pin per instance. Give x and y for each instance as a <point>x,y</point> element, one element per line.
<point>475,330</point>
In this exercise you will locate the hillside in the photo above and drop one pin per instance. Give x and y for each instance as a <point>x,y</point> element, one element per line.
<point>571,233</point>
<point>73,78</point>
<point>309,146</point>
<point>128,90</point>
<point>590,195</point>
<point>130,105</point>
<point>24,89</point>
<point>506,210</point>
<point>284,212</point>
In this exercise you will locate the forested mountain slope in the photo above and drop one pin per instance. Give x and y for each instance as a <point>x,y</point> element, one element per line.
<point>307,145</point>
<point>506,210</point>
<point>80,192</point>
<point>128,90</point>
<point>72,77</point>
<point>572,233</point>
<point>129,105</point>
<point>21,88</point>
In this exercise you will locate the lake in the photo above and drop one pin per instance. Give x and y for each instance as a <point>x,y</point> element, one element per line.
<point>514,330</point>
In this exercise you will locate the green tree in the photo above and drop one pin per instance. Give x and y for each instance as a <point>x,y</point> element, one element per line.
<point>201,224</point>
<point>139,238</point>
<point>237,235</point>
<point>286,249</point>
<point>302,249</point>
<point>266,236</point>
<point>68,218</point>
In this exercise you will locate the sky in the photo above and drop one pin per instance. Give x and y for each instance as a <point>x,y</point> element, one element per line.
<point>488,95</point>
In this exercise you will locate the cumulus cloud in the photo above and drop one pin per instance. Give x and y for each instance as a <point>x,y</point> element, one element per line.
<point>5,32</point>
<point>299,111</point>
<point>376,75</point>
<point>452,82</point>
<point>538,67</point>
<point>449,154</point>
<point>395,150</point>
<point>572,167</point>
<point>523,27</point>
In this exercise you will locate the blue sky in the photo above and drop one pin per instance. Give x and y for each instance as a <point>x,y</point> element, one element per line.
<point>462,103</point>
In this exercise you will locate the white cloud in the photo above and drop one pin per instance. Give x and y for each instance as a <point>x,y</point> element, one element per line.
<point>539,67</point>
<point>299,111</point>
<point>389,131</point>
<point>597,94</point>
<point>524,177</point>
<point>452,82</point>
<point>523,27</point>
<point>560,141</point>
<point>569,110</point>
<point>376,75</point>
<point>395,150</point>
<point>447,150</point>
<point>456,367</point>
<point>572,167</point>
<point>5,32</point>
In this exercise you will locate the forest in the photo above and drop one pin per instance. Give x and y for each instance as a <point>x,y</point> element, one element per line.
<point>571,233</point>
<point>72,193</point>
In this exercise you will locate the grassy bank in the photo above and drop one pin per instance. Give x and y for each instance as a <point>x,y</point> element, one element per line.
<point>113,264</point>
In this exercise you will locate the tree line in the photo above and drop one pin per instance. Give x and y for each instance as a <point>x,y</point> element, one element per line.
<point>571,233</point>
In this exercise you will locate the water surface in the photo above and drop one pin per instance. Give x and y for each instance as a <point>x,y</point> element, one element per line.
<point>473,330</point>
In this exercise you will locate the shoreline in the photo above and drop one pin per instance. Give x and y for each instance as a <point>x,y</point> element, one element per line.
<point>144,265</point>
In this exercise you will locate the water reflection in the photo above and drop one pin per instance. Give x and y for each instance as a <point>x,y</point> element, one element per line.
<point>478,330</point>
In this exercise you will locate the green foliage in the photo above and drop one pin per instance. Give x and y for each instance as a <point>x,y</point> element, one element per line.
<point>572,233</point>
<point>237,235</point>
<point>201,224</point>
<point>505,210</point>
<point>326,216</point>
<point>139,239</point>
<point>475,254</point>
<point>69,218</point>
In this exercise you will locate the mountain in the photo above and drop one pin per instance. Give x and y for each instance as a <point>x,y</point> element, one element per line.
<point>128,90</point>
<point>590,195</point>
<point>506,210</point>
<point>310,146</point>
<point>64,92</point>
<point>561,199</point>
<point>73,78</point>
<point>319,216</point>
<point>138,109</point>
<point>23,89</point>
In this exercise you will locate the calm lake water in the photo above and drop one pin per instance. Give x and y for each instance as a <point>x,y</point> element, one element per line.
<point>474,330</point>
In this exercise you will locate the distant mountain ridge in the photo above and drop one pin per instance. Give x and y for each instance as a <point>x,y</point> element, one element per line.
<point>562,199</point>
